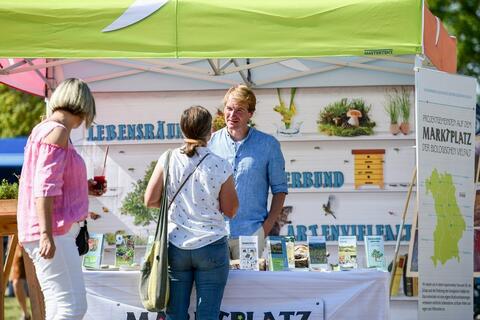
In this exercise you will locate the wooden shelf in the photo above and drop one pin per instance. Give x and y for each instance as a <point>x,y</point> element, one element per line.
<point>177,142</point>
<point>302,137</point>
<point>313,136</point>
<point>351,189</point>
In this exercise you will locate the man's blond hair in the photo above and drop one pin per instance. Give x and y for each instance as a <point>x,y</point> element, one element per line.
<point>243,95</point>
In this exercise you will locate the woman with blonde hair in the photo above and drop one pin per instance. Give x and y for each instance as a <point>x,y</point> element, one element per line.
<point>53,200</point>
<point>198,248</point>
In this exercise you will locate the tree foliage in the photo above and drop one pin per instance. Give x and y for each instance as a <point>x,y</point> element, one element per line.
<point>462,19</point>
<point>133,202</point>
<point>19,112</point>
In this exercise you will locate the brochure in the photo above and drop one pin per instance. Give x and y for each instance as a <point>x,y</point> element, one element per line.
<point>124,250</point>
<point>248,246</point>
<point>290,244</point>
<point>375,252</point>
<point>277,253</point>
<point>317,248</point>
<point>93,258</point>
<point>347,252</point>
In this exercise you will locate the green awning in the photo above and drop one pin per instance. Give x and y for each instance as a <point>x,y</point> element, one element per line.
<point>210,28</point>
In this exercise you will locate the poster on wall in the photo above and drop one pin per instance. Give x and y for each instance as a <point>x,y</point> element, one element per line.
<point>445,161</point>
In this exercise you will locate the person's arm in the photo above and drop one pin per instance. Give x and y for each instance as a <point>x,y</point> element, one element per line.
<point>153,193</point>
<point>276,207</point>
<point>228,198</point>
<point>44,208</point>
<point>278,184</point>
<point>51,169</point>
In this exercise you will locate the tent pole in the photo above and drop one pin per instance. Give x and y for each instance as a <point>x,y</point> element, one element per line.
<point>214,67</point>
<point>400,230</point>
<point>244,77</point>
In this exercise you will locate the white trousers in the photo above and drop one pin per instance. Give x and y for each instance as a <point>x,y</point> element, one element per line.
<point>61,278</point>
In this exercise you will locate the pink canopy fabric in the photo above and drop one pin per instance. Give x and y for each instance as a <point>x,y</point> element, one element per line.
<point>30,82</point>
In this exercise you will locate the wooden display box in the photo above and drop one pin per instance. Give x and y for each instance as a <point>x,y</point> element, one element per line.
<point>369,167</point>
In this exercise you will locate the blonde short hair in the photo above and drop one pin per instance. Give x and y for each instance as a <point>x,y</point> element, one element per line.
<point>243,95</point>
<point>73,95</point>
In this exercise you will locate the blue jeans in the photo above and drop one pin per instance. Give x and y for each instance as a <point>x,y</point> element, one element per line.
<point>208,268</point>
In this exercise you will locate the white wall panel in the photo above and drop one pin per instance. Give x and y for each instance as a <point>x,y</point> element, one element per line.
<point>308,152</point>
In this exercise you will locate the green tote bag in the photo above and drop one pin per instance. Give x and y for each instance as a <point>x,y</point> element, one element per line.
<point>154,282</point>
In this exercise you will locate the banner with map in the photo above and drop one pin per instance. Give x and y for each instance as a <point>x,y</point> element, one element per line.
<point>445,109</point>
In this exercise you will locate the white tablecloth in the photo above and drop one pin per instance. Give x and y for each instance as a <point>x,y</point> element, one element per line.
<point>357,294</point>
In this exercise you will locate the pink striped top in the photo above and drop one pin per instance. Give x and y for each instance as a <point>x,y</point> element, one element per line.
<point>51,171</point>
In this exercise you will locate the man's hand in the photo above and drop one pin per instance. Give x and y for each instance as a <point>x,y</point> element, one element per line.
<point>275,210</point>
<point>46,246</point>
<point>267,226</point>
<point>93,190</point>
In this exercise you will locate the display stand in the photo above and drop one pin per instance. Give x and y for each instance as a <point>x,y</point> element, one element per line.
<point>8,227</point>
<point>400,230</point>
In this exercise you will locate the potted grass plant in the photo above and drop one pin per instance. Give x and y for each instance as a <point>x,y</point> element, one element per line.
<point>393,111</point>
<point>404,106</point>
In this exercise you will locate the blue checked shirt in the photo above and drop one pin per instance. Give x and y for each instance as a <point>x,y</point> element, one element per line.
<point>258,165</point>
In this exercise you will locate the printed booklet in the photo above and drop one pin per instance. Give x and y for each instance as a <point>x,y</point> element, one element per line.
<point>93,258</point>
<point>290,244</point>
<point>124,250</point>
<point>277,253</point>
<point>248,246</point>
<point>375,252</point>
<point>347,252</point>
<point>317,248</point>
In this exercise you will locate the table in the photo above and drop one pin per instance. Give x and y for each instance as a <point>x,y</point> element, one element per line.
<point>8,227</point>
<point>356,294</point>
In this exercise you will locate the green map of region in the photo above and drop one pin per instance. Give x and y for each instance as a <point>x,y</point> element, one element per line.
<point>450,223</point>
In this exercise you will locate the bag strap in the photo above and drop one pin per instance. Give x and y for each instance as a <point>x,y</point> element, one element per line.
<point>185,181</point>
<point>161,213</point>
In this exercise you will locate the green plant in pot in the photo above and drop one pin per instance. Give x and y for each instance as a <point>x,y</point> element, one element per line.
<point>8,196</point>
<point>393,111</point>
<point>289,112</point>
<point>404,106</point>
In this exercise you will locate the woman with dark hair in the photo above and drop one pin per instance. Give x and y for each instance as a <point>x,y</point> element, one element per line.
<point>198,248</point>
